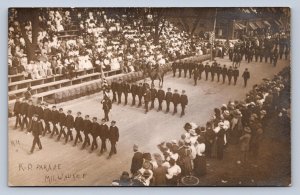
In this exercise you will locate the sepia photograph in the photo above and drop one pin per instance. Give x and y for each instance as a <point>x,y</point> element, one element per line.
<point>197,96</point>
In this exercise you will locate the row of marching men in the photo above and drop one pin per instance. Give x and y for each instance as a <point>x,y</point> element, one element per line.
<point>214,70</point>
<point>149,94</point>
<point>41,120</point>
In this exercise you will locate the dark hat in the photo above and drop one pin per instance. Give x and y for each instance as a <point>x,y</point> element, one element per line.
<point>113,121</point>
<point>61,109</point>
<point>103,120</point>
<point>78,112</point>
<point>87,115</point>
<point>94,118</point>
<point>69,111</point>
<point>53,106</point>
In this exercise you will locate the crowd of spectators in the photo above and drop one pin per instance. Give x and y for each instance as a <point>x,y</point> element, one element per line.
<point>76,39</point>
<point>240,123</point>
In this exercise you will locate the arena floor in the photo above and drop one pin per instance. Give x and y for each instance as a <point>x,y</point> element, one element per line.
<point>59,164</point>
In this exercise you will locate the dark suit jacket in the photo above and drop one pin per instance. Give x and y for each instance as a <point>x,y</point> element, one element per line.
<point>54,116</point>
<point>136,162</point>
<point>161,94</point>
<point>87,126</point>
<point>103,133</point>
<point>78,124</point>
<point>62,119</point>
<point>176,98</point>
<point>184,100</point>
<point>113,134</point>
<point>17,107</point>
<point>169,96</point>
<point>69,121</point>
<point>47,114</point>
<point>95,129</point>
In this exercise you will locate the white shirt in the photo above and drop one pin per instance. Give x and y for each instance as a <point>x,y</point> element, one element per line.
<point>173,171</point>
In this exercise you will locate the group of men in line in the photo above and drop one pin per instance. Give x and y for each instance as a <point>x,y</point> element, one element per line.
<point>39,118</point>
<point>214,70</point>
<point>149,94</point>
<point>259,52</point>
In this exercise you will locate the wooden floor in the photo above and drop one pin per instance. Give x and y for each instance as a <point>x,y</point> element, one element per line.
<point>58,164</point>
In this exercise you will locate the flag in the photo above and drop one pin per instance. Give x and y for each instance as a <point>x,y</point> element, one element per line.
<point>211,37</point>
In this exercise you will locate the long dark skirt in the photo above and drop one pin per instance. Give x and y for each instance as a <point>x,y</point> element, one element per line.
<point>200,165</point>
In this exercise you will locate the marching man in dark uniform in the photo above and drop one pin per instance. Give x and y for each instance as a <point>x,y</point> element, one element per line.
<point>95,132</point>
<point>275,57</point>
<point>62,121</point>
<point>147,98</point>
<point>78,124</point>
<point>47,118</point>
<point>24,111</point>
<point>200,69</point>
<point>180,67</point>
<point>160,96</point>
<point>87,126</point>
<point>191,68</point>
<point>17,109</point>
<point>213,71</point>
<point>126,90</point>
<point>174,67</point>
<point>140,93</point>
<point>69,125</point>
<point>185,68</point>
<point>169,96</point>
<point>113,138</point>
<point>119,87</point>
<point>196,75</point>
<point>236,74</point>
<point>224,73</point>
<point>246,76</point>
<point>183,102</point>
<point>103,134</point>
<point>54,120</point>
<point>207,70</point>
<point>134,92</point>
<point>107,104</point>
<point>36,129</point>
<point>176,100</point>
<point>153,93</point>
<point>114,90</point>
<point>31,110</point>
<point>218,71</point>
<point>230,74</point>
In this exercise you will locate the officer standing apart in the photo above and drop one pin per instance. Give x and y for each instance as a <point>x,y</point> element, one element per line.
<point>113,138</point>
<point>183,102</point>
<point>106,106</point>
<point>246,76</point>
